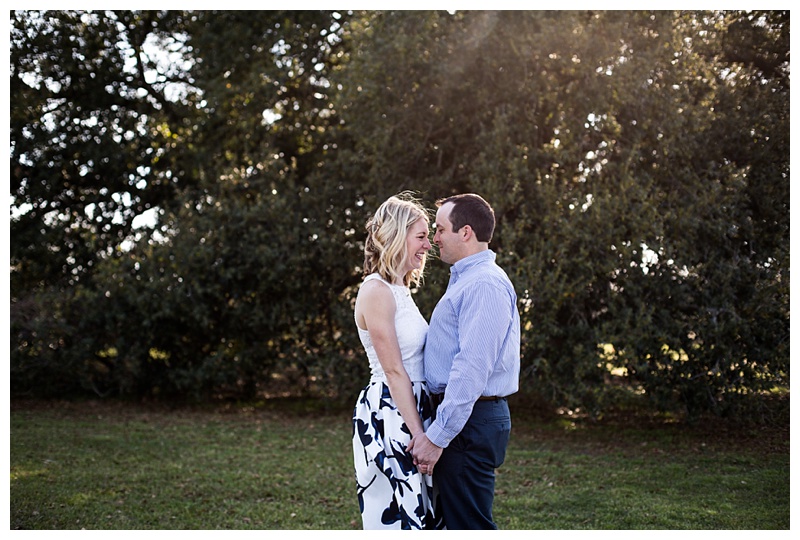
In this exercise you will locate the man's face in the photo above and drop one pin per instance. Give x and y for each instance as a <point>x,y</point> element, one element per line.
<point>446,238</point>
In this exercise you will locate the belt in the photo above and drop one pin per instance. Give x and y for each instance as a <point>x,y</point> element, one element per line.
<point>438,398</point>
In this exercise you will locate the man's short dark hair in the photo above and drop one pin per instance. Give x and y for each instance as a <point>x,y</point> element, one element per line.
<point>471,209</point>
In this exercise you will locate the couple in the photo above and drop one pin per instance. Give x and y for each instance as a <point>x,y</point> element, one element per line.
<point>433,423</point>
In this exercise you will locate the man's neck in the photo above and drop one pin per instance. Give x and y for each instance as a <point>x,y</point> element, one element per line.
<point>478,248</point>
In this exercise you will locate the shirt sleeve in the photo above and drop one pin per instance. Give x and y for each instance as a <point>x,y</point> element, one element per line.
<point>484,317</point>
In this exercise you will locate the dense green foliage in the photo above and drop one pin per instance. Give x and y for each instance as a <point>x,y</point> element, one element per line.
<point>638,163</point>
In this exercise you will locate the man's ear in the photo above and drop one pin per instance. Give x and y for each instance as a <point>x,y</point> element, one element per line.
<point>467,232</point>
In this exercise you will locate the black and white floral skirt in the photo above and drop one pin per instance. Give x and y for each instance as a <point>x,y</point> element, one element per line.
<point>392,493</point>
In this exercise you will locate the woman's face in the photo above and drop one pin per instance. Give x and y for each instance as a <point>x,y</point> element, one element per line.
<point>417,245</point>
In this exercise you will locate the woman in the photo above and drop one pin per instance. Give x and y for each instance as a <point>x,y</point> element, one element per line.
<point>392,492</point>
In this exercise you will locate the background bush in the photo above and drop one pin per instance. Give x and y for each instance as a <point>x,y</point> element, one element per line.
<point>638,164</point>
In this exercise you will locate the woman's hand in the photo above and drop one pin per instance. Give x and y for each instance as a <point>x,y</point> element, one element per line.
<point>424,452</point>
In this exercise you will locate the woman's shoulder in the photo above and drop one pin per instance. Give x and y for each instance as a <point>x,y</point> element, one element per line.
<point>375,299</point>
<point>372,277</point>
<point>375,286</point>
<point>376,277</point>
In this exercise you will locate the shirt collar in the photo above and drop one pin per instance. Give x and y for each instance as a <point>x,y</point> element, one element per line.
<point>462,266</point>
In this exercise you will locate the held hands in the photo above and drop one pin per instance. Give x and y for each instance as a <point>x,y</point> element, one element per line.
<point>424,452</point>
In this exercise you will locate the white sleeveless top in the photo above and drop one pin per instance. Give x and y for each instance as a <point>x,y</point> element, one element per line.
<point>411,328</point>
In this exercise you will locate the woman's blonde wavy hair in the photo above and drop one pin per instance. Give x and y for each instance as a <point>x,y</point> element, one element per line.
<point>385,247</point>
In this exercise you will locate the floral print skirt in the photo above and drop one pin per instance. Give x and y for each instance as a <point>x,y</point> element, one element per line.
<point>392,493</point>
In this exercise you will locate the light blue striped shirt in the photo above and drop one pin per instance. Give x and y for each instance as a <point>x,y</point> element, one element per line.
<point>472,347</point>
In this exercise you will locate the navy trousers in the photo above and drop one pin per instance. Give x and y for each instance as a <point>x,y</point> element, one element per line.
<point>464,475</point>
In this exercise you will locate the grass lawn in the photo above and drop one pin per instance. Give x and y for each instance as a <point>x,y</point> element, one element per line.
<point>106,465</point>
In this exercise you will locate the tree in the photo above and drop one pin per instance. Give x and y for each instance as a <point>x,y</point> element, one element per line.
<point>92,133</point>
<point>637,162</point>
<point>257,129</point>
<point>95,119</point>
<point>611,145</point>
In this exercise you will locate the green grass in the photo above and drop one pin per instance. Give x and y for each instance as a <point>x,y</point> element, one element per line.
<point>112,466</point>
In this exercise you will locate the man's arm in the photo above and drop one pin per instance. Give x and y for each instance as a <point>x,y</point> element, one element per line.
<point>484,320</point>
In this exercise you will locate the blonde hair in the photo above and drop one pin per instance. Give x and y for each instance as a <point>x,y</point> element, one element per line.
<point>387,230</point>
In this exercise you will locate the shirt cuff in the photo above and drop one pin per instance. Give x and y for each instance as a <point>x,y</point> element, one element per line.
<point>439,436</point>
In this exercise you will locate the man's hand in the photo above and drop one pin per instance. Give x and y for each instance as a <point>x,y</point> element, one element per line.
<point>424,452</point>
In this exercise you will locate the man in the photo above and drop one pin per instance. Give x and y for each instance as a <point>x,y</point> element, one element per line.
<point>471,366</point>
